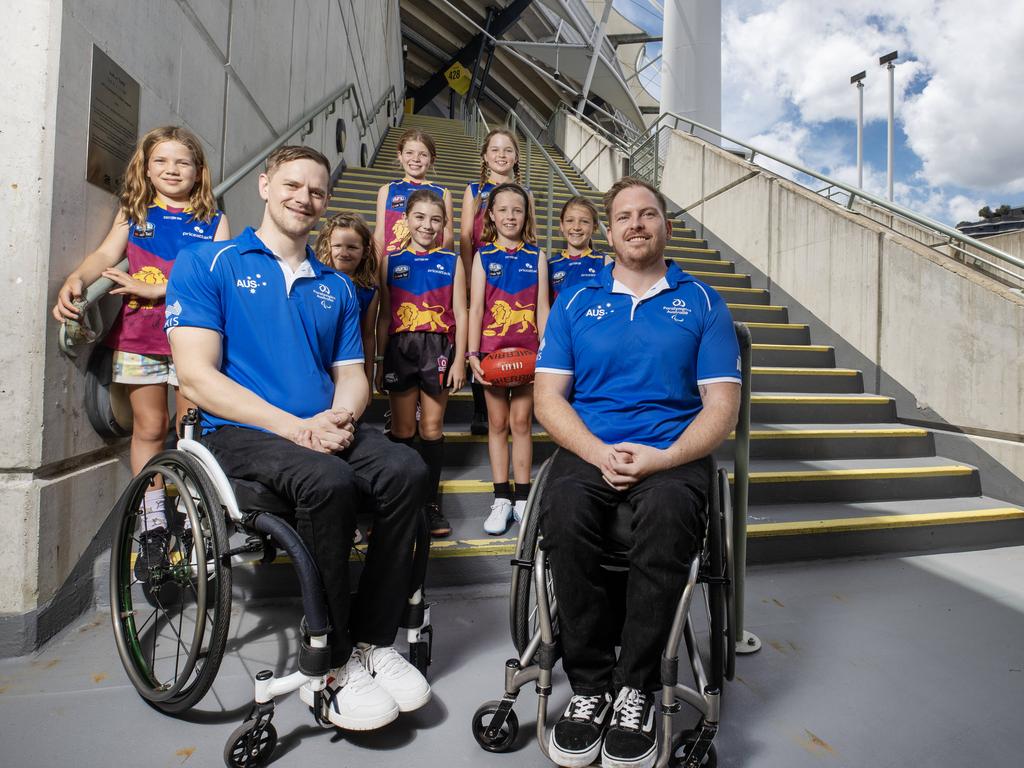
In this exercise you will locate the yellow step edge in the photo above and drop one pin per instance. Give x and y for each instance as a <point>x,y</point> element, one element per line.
<point>737,305</point>
<point>780,371</point>
<point>755,434</point>
<point>792,347</point>
<point>506,547</point>
<point>760,478</point>
<point>882,522</point>
<point>818,400</point>
<point>725,275</point>
<point>737,290</point>
<point>752,324</point>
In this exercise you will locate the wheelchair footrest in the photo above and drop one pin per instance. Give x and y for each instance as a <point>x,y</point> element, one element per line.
<point>314,661</point>
<point>696,745</point>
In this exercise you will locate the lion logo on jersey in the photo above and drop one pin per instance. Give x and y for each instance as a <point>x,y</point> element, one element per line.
<point>413,317</point>
<point>505,317</point>
<point>152,276</point>
<point>400,234</point>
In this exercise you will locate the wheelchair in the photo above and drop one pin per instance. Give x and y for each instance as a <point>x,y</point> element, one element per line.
<point>533,617</point>
<point>171,626</point>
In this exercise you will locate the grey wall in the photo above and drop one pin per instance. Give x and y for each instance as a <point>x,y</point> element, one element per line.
<point>237,72</point>
<point>945,340</point>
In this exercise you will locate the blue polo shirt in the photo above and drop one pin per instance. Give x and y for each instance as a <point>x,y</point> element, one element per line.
<point>637,363</point>
<point>282,331</point>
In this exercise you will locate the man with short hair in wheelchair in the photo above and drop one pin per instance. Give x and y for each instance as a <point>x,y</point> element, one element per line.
<point>638,382</point>
<point>266,340</point>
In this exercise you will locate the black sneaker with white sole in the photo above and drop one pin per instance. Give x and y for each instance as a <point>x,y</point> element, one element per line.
<point>152,554</point>
<point>632,738</point>
<point>576,738</point>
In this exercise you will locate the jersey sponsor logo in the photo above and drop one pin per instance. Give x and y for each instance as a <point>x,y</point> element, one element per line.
<point>398,202</point>
<point>677,310</point>
<point>400,272</point>
<point>144,230</point>
<point>494,269</point>
<point>172,315</point>
<point>439,269</point>
<point>323,293</point>
<point>250,284</point>
<point>197,231</point>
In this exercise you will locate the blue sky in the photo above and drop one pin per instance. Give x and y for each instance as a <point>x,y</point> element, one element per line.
<point>786,66</point>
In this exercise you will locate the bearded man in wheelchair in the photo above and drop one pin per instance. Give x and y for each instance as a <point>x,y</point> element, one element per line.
<point>638,381</point>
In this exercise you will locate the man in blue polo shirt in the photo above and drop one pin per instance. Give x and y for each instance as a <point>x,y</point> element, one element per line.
<point>638,382</point>
<point>266,341</point>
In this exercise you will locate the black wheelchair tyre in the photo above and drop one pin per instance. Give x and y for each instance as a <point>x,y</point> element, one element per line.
<point>171,628</point>
<point>523,621</point>
<point>250,745</point>
<point>506,736</point>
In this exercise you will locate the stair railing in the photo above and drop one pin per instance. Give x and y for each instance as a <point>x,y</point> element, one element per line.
<point>646,161</point>
<point>72,333</point>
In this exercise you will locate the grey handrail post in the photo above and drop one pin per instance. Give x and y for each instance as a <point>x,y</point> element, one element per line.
<point>551,195</point>
<point>745,641</point>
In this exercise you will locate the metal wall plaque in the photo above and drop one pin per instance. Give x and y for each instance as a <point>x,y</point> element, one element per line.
<point>113,122</point>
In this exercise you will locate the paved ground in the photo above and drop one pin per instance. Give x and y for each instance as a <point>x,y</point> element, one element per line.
<point>889,662</point>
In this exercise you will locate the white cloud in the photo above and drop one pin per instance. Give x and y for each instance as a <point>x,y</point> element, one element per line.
<point>786,65</point>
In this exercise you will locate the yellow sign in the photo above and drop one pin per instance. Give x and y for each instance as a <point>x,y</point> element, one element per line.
<point>459,78</point>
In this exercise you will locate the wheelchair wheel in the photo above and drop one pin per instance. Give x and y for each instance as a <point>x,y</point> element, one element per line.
<point>729,571</point>
<point>506,735</point>
<point>522,600</point>
<point>171,622</point>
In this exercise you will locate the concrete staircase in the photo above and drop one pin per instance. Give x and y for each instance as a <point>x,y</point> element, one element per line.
<point>833,472</point>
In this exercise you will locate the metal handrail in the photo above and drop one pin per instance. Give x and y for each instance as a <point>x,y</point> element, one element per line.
<point>72,332</point>
<point>853,192</point>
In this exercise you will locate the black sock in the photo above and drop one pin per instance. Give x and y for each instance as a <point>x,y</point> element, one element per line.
<point>432,452</point>
<point>522,491</point>
<point>479,402</point>
<point>402,440</point>
<point>503,491</point>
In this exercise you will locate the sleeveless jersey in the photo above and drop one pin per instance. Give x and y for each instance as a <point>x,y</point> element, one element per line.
<point>565,271</point>
<point>152,249</point>
<point>482,193</point>
<point>395,229</point>
<point>510,297</point>
<point>420,289</point>
<point>365,296</point>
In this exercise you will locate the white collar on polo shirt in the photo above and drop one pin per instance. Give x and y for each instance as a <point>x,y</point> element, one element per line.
<point>305,270</point>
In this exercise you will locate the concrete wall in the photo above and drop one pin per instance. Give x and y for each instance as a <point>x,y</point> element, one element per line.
<point>236,72</point>
<point>946,341</point>
<point>596,159</point>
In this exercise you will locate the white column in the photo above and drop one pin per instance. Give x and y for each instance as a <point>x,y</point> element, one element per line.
<point>691,64</point>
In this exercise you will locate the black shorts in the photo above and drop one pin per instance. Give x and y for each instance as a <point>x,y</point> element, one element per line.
<point>417,359</point>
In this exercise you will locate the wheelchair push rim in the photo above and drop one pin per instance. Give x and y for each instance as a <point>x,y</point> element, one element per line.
<point>170,629</point>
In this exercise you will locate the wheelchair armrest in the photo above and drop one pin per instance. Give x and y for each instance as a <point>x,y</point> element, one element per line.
<point>254,496</point>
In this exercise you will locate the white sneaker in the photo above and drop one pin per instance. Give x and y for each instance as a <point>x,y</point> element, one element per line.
<point>500,518</point>
<point>518,510</point>
<point>394,674</point>
<point>355,701</point>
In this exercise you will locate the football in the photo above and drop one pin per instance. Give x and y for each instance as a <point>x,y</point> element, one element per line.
<point>509,367</point>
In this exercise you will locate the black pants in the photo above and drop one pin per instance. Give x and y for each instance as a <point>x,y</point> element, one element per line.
<point>669,518</point>
<point>327,491</point>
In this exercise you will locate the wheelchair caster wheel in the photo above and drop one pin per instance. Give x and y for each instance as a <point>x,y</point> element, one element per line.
<point>250,745</point>
<point>503,740</point>
<point>683,747</point>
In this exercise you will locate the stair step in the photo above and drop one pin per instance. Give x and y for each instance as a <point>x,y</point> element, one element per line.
<point>800,355</point>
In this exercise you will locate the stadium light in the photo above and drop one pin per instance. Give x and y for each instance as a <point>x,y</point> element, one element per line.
<point>858,79</point>
<point>888,61</point>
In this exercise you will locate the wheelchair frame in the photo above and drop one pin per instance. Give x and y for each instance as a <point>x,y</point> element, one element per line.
<point>202,570</point>
<point>718,566</point>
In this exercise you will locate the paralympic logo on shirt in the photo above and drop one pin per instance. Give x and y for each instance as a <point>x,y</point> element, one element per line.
<point>677,311</point>
<point>323,293</point>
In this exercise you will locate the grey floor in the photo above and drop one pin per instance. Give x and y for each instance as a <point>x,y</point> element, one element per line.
<point>886,662</point>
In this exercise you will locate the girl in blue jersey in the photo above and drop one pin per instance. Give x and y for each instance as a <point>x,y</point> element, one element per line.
<point>166,204</point>
<point>421,335</point>
<point>417,154</point>
<point>508,308</point>
<point>499,164</point>
<point>345,243</point>
<point>578,262</point>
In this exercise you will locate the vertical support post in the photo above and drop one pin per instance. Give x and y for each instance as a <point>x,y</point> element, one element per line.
<point>529,161</point>
<point>595,42</point>
<point>860,135</point>
<point>745,641</point>
<point>892,119</point>
<point>551,195</point>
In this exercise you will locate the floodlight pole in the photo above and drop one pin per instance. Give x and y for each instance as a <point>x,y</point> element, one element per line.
<point>596,41</point>
<point>888,60</point>
<point>858,79</point>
